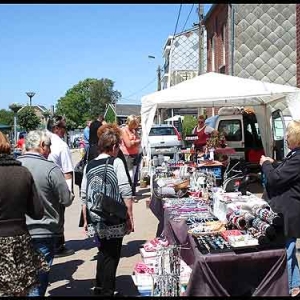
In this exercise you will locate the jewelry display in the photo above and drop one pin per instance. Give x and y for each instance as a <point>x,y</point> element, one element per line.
<point>212,243</point>
<point>264,228</point>
<point>167,278</point>
<point>267,215</point>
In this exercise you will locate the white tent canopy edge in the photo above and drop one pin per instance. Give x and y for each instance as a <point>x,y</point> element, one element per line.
<point>215,89</point>
<point>175,118</point>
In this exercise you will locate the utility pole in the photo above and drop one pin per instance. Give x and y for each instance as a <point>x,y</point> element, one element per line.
<point>200,14</point>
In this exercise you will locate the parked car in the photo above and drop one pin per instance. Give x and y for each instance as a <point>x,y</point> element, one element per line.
<point>165,139</point>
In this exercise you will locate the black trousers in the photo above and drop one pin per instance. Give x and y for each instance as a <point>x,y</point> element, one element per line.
<point>107,263</point>
<point>60,239</point>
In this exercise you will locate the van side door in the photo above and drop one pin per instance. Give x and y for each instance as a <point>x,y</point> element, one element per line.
<point>233,128</point>
<point>278,127</point>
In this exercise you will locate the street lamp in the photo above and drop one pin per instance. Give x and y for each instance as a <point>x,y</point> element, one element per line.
<point>158,73</point>
<point>30,95</point>
<point>15,107</point>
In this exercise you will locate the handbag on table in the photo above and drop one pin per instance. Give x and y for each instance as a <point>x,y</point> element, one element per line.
<point>106,207</point>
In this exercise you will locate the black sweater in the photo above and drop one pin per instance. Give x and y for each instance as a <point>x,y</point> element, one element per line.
<point>18,196</point>
<point>283,187</point>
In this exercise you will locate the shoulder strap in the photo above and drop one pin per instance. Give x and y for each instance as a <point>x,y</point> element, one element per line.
<point>109,160</point>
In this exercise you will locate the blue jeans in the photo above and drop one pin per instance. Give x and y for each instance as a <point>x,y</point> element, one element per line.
<point>292,264</point>
<point>45,246</point>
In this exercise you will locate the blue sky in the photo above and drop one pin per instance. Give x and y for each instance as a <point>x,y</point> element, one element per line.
<point>50,48</point>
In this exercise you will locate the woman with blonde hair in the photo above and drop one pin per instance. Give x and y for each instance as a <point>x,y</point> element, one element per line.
<point>283,193</point>
<point>19,263</point>
<point>117,187</point>
<point>130,145</point>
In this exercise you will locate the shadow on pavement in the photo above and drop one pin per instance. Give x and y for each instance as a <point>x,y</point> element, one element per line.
<point>84,244</point>
<point>74,288</point>
<point>132,248</point>
<point>125,286</point>
<point>64,270</point>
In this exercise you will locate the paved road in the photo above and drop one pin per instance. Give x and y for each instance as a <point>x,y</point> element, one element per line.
<point>74,275</point>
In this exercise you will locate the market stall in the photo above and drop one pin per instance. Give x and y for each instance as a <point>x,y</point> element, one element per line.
<point>233,243</point>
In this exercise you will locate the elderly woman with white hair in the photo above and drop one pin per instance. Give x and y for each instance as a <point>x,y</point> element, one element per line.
<point>283,192</point>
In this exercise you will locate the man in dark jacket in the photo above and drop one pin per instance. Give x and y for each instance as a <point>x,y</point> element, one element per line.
<point>283,193</point>
<point>53,192</point>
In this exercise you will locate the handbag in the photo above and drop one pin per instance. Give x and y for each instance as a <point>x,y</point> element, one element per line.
<point>78,170</point>
<point>106,207</point>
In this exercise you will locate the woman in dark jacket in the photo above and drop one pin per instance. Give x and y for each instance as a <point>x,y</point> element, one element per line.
<point>19,263</point>
<point>283,191</point>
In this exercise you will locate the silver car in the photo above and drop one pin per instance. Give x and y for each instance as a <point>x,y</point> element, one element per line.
<point>165,139</point>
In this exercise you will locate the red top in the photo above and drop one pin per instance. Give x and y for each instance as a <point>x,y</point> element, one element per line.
<point>20,143</point>
<point>202,137</point>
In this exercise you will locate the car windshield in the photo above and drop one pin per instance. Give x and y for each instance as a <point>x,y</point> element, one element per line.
<point>162,131</point>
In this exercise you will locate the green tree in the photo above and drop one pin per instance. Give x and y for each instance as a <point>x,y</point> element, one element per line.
<point>28,119</point>
<point>75,104</point>
<point>6,117</point>
<point>86,100</point>
<point>102,93</point>
<point>110,116</point>
<point>189,122</point>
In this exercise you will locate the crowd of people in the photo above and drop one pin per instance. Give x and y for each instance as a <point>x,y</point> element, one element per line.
<point>37,186</point>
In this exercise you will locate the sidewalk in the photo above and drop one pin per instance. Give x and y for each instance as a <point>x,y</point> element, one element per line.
<point>74,275</point>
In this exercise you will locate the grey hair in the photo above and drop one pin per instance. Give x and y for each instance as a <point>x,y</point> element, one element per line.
<point>35,137</point>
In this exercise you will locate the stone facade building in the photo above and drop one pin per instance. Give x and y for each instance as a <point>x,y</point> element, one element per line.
<point>256,41</point>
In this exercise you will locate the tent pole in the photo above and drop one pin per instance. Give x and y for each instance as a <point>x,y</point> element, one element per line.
<point>172,113</point>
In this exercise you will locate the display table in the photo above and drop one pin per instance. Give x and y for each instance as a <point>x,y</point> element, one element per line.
<point>256,273</point>
<point>156,206</point>
<point>261,273</point>
<point>225,151</point>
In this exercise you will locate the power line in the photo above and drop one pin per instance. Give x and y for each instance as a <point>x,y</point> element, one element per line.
<point>141,88</point>
<point>126,99</point>
<point>188,17</point>
<point>178,16</point>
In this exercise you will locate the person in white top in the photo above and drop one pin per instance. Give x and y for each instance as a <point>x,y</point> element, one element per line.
<point>61,156</point>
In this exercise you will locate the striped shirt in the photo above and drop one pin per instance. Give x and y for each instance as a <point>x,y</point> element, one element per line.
<point>117,187</point>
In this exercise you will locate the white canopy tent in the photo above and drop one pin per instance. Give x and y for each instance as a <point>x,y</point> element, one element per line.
<point>215,89</point>
<point>175,118</point>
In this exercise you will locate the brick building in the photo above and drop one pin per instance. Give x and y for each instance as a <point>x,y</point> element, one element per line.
<point>257,41</point>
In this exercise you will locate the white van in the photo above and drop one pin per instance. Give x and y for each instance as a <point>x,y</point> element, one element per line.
<point>241,131</point>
